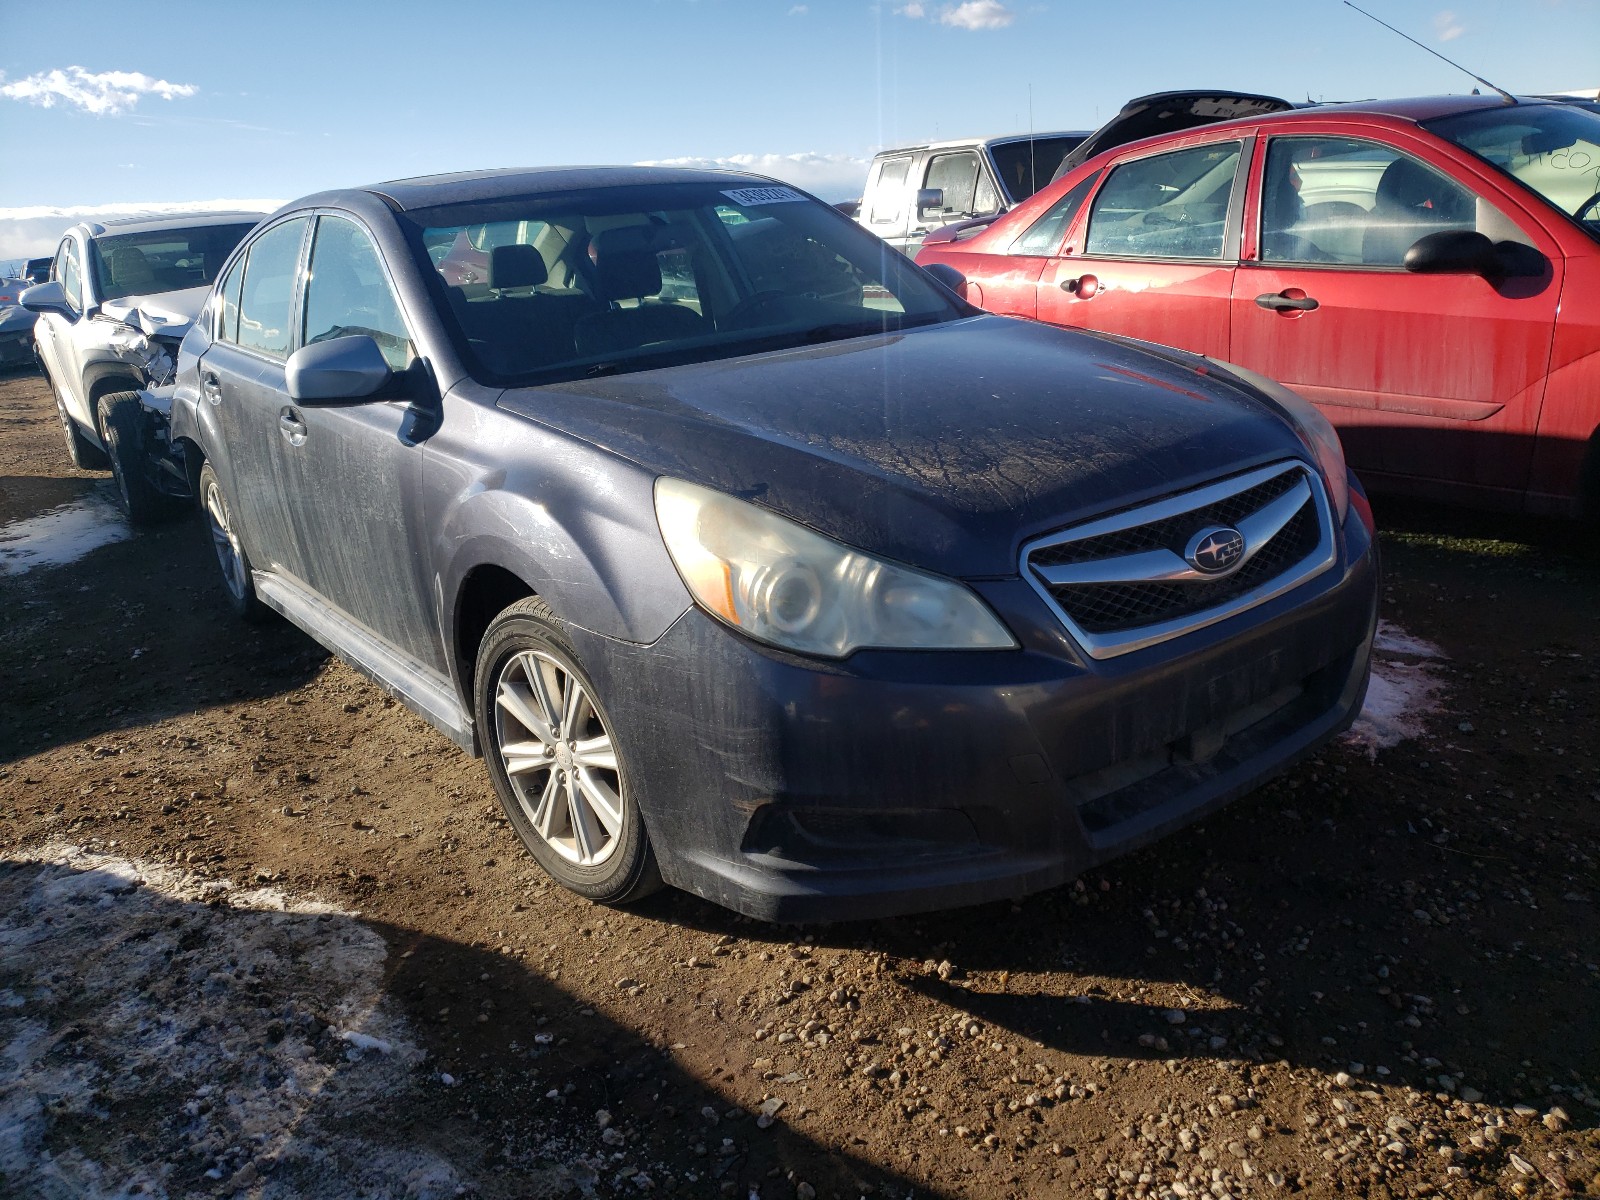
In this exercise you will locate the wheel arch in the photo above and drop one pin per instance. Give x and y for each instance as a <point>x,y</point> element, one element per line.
<point>101,379</point>
<point>1589,481</point>
<point>486,591</point>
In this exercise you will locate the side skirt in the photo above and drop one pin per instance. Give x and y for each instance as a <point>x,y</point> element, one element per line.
<point>424,691</point>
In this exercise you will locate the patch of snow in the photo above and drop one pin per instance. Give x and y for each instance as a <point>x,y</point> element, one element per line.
<point>1401,695</point>
<point>1391,639</point>
<point>201,1032</point>
<point>61,535</point>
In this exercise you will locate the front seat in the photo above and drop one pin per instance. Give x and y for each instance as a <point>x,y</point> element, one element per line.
<point>1411,202</point>
<point>129,270</point>
<point>626,268</point>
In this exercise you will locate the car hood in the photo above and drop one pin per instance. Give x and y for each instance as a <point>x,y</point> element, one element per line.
<point>944,447</point>
<point>166,313</point>
<point>1167,112</point>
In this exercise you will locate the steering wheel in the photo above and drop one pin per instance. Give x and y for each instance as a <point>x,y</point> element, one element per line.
<point>750,304</point>
<point>1586,206</point>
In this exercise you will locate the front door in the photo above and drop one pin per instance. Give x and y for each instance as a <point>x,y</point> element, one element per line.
<point>1426,376</point>
<point>357,477</point>
<point>1158,251</point>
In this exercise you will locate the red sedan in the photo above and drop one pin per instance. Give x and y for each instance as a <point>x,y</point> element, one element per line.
<point>1425,271</point>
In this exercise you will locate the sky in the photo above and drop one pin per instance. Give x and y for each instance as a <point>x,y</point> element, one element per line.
<point>112,107</point>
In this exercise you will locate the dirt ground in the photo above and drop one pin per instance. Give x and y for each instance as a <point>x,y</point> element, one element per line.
<point>1376,977</point>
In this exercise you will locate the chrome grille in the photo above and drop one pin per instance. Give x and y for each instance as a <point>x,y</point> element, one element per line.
<point>1121,582</point>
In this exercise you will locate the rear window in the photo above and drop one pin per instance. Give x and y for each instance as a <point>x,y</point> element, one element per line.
<point>165,260</point>
<point>627,278</point>
<point>1026,166</point>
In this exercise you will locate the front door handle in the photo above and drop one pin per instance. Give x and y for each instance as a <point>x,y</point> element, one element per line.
<point>211,387</point>
<point>1084,287</point>
<point>292,427</point>
<point>1285,302</point>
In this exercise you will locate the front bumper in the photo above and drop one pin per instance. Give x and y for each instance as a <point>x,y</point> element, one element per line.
<point>897,782</point>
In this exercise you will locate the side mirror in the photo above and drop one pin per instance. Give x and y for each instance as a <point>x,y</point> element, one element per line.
<point>949,276</point>
<point>1454,252</point>
<point>337,370</point>
<point>930,198</point>
<point>48,297</point>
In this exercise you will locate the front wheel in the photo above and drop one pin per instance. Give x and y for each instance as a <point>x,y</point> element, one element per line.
<point>237,582</point>
<point>560,774</point>
<point>123,417</point>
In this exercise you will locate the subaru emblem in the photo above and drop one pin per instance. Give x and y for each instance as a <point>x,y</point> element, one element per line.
<point>1215,550</point>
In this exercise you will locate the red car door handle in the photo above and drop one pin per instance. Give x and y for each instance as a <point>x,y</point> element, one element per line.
<point>1083,287</point>
<point>1281,302</point>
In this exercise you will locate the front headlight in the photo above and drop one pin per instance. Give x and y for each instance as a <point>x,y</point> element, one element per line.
<point>781,583</point>
<point>1318,433</point>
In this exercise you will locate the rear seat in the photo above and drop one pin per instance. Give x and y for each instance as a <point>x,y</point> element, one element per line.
<point>514,334</point>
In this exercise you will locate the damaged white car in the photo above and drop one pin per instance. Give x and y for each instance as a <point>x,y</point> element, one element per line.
<point>120,297</point>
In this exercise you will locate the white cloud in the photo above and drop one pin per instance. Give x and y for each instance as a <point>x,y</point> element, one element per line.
<point>1447,26</point>
<point>913,10</point>
<point>799,10</point>
<point>33,232</point>
<point>977,14</point>
<point>830,176</point>
<point>105,93</point>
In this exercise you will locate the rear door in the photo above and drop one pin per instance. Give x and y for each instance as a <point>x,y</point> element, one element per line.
<point>242,377</point>
<point>1156,255</point>
<point>1427,376</point>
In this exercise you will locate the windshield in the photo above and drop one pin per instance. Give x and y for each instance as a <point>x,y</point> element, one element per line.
<point>1027,165</point>
<point>618,279</point>
<point>1554,149</point>
<point>162,260</point>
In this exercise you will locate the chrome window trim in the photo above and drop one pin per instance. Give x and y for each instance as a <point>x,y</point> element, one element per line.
<point>1163,565</point>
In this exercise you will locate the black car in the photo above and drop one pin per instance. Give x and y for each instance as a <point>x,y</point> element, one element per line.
<point>751,558</point>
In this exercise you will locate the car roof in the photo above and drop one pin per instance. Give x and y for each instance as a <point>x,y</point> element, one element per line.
<point>154,223</point>
<point>465,187</point>
<point>996,140</point>
<point>1408,109</point>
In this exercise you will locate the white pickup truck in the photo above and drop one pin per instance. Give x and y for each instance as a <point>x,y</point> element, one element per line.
<point>914,189</point>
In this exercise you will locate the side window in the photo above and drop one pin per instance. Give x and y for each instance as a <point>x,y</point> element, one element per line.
<point>984,200</point>
<point>228,293</point>
<point>70,274</point>
<point>268,291</point>
<point>888,192</point>
<point>347,292</point>
<point>1044,235</point>
<point>956,175</point>
<point>1166,206</point>
<point>1340,200</point>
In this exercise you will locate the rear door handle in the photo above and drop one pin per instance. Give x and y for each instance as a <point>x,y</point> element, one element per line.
<point>211,387</point>
<point>1282,302</point>
<point>292,427</point>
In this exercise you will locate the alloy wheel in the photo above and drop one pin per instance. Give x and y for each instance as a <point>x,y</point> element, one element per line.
<point>559,757</point>
<point>226,542</point>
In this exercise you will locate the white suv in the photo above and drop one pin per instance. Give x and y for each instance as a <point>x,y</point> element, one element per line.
<point>149,272</point>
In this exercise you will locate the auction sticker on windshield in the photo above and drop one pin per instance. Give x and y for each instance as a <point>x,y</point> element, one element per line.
<point>745,197</point>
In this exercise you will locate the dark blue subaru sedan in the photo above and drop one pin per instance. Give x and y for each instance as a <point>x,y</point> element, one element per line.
<point>752,559</point>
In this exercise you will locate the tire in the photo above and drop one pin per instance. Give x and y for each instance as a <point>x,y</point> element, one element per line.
<point>123,417</point>
<point>85,455</point>
<point>237,584</point>
<point>568,797</point>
